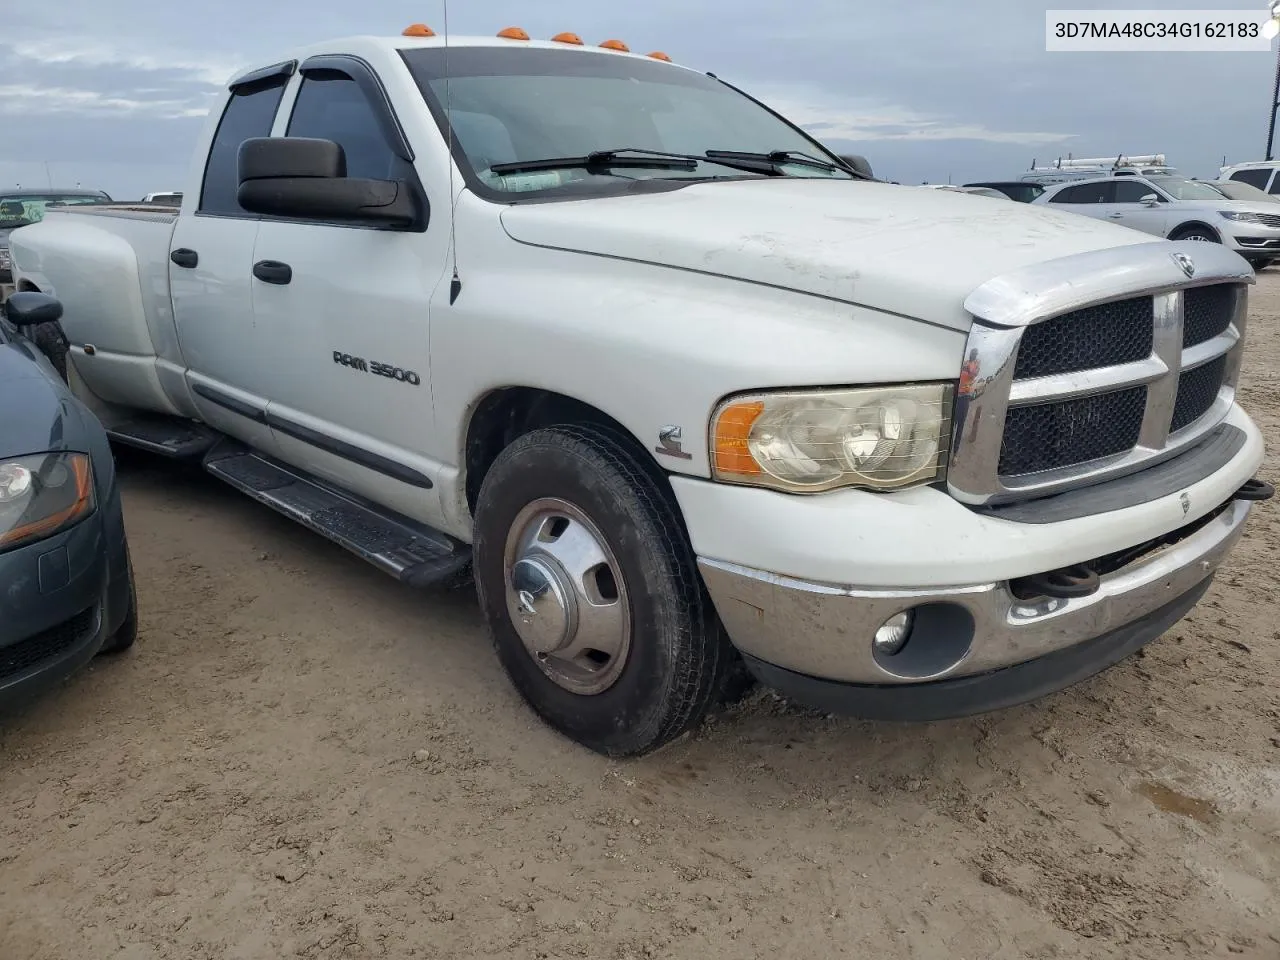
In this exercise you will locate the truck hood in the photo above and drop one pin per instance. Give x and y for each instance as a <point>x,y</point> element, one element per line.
<point>899,249</point>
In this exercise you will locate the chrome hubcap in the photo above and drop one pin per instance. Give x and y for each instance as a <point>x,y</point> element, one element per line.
<point>566,596</point>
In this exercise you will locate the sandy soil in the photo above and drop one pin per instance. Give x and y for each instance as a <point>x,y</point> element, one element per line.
<point>300,758</point>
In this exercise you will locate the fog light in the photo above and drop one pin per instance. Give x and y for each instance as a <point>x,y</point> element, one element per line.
<point>893,633</point>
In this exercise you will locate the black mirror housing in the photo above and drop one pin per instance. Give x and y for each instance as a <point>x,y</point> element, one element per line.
<point>857,162</point>
<point>270,158</point>
<point>306,179</point>
<point>28,308</point>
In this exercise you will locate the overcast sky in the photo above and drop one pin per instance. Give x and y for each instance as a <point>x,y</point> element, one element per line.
<point>111,95</point>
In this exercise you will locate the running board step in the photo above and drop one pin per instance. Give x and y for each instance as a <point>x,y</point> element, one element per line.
<point>411,553</point>
<point>168,436</point>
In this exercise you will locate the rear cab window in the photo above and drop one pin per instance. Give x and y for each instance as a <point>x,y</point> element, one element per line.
<point>249,113</point>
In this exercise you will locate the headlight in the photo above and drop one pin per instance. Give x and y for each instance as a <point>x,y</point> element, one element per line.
<point>5,262</point>
<point>41,495</point>
<point>1241,217</point>
<point>880,438</point>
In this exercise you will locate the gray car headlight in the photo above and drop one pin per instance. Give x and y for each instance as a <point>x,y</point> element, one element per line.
<point>6,263</point>
<point>43,495</point>
<point>1241,216</point>
<point>810,441</point>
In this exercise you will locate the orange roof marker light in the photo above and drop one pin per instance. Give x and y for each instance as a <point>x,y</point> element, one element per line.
<point>616,45</point>
<point>418,30</point>
<point>659,55</point>
<point>567,38</point>
<point>513,33</point>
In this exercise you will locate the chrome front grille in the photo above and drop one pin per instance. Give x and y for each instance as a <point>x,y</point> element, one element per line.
<point>1099,336</point>
<point>1047,436</point>
<point>1095,366</point>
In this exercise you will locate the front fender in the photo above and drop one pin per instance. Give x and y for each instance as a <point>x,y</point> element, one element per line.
<point>654,347</point>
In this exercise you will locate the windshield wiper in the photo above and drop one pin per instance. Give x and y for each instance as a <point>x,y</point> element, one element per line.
<point>796,157</point>
<point>646,160</point>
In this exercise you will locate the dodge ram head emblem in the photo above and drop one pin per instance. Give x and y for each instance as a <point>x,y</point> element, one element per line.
<point>1185,264</point>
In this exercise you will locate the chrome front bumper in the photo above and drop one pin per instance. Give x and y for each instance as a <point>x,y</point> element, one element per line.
<point>826,631</point>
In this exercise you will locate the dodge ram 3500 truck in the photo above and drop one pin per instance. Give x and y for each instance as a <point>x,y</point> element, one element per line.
<point>678,387</point>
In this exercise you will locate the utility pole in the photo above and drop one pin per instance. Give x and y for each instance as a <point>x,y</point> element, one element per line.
<point>1275,105</point>
<point>1270,30</point>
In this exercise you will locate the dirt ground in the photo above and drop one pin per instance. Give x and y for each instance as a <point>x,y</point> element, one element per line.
<point>300,758</point>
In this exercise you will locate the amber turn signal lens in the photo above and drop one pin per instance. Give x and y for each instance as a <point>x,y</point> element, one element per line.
<point>729,438</point>
<point>616,45</point>
<point>513,33</point>
<point>418,30</point>
<point>567,38</point>
<point>659,55</point>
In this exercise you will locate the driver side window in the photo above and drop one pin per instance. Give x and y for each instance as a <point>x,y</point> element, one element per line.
<point>1132,191</point>
<point>333,107</point>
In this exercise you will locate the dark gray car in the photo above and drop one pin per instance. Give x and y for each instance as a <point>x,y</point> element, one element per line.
<point>66,582</point>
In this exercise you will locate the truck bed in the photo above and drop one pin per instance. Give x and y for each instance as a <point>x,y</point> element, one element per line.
<point>111,264</point>
<point>124,211</point>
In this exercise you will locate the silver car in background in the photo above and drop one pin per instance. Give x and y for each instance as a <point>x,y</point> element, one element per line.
<point>1177,208</point>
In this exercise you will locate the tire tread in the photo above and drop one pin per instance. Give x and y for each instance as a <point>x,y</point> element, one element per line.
<point>705,666</point>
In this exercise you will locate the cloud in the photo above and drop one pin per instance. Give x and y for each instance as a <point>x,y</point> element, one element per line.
<point>24,99</point>
<point>83,52</point>
<point>85,77</point>
<point>829,119</point>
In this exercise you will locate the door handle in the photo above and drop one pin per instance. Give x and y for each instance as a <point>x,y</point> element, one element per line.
<point>183,257</point>
<point>273,271</point>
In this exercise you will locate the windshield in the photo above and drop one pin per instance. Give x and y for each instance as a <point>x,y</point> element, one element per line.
<point>1180,188</point>
<point>1237,190</point>
<point>21,210</point>
<point>515,105</point>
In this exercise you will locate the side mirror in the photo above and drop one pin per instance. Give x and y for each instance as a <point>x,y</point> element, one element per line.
<point>857,162</point>
<point>1150,200</point>
<point>306,179</point>
<point>28,308</point>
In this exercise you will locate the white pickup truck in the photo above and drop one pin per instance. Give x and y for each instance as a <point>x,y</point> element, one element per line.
<point>679,388</point>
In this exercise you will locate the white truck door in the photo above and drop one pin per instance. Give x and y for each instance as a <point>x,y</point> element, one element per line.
<point>210,276</point>
<point>1127,207</point>
<point>343,311</point>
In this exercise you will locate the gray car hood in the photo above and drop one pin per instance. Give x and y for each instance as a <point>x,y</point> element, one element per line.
<point>40,414</point>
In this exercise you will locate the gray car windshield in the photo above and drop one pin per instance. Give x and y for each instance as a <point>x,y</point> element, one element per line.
<point>517,105</point>
<point>21,210</point>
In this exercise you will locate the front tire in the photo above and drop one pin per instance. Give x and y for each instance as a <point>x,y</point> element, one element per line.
<point>589,588</point>
<point>1203,234</point>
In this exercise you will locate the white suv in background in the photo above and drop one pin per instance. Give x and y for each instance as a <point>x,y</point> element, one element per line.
<point>1257,173</point>
<point>1176,208</point>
